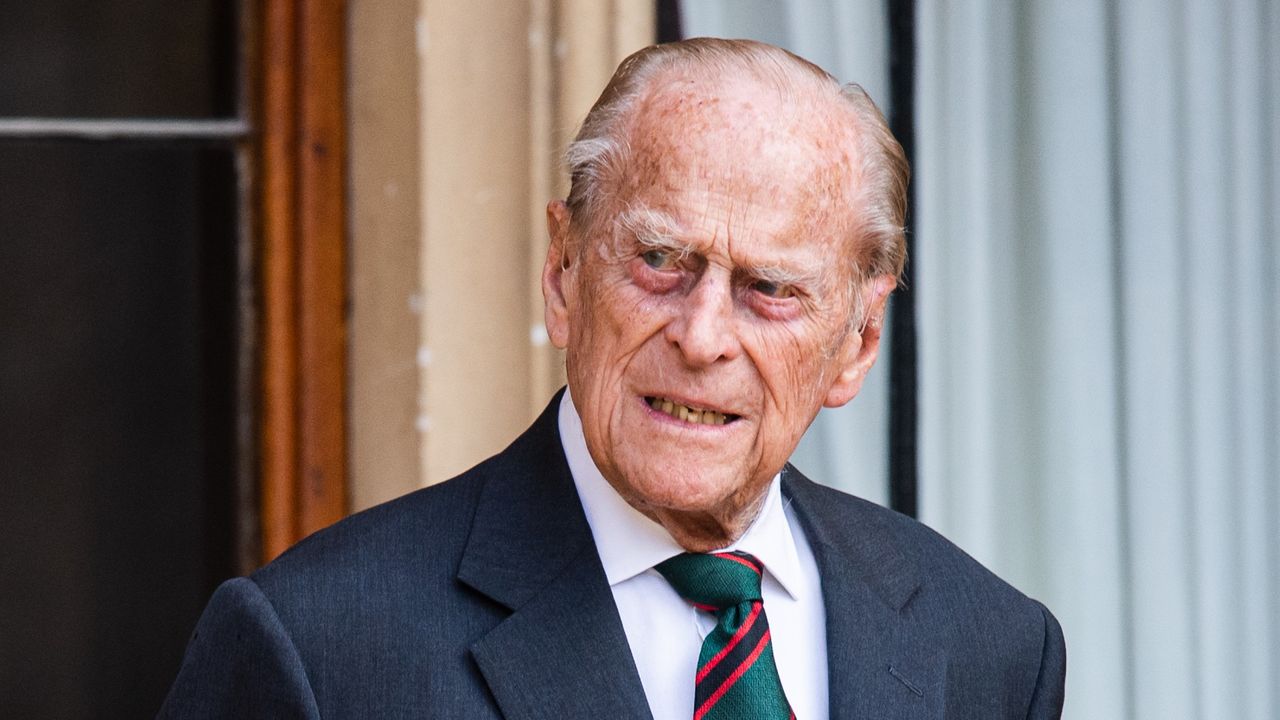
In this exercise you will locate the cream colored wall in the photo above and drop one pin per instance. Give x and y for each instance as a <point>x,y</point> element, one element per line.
<point>459,111</point>
<point>384,194</point>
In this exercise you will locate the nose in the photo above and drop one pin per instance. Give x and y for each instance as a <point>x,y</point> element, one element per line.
<point>703,331</point>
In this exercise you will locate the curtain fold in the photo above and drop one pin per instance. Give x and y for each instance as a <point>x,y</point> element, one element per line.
<point>1097,278</point>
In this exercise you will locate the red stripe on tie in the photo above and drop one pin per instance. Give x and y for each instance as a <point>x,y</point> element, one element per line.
<point>704,606</point>
<point>733,641</point>
<point>732,679</point>
<point>737,559</point>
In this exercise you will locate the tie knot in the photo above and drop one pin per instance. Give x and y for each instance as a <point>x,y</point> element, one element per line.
<point>714,581</point>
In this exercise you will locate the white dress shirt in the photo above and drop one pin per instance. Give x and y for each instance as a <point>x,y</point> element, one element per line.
<point>666,632</point>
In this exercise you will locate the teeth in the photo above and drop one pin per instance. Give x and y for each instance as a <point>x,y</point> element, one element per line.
<point>688,414</point>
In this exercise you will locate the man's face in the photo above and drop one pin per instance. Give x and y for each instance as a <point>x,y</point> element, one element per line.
<point>708,316</point>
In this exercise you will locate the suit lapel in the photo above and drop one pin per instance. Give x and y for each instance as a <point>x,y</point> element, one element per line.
<point>879,664</point>
<point>562,652</point>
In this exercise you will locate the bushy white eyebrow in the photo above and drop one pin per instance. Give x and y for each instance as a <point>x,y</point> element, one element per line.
<point>785,276</point>
<point>657,230</point>
<point>654,229</point>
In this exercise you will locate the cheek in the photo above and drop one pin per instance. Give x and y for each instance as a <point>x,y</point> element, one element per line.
<point>792,361</point>
<point>614,319</point>
<point>628,306</point>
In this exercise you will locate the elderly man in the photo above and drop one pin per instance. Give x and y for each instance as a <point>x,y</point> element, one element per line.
<point>718,274</point>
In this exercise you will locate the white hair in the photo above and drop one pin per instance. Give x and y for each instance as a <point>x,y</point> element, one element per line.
<point>599,154</point>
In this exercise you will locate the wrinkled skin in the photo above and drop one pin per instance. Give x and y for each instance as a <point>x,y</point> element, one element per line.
<point>738,299</point>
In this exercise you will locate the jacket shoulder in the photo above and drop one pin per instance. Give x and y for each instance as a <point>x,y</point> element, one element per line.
<point>945,588</point>
<point>424,530</point>
<point>383,588</point>
<point>939,565</point>
<point>1004,651</point>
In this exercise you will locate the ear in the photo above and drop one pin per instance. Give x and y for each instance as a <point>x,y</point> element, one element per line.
<point>861,348</point>
<point>559,264</point>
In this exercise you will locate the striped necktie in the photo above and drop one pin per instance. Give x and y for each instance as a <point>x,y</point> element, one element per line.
<point>737,676</point>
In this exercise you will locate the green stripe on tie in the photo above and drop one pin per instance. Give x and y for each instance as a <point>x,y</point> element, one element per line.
<point>737,676</point>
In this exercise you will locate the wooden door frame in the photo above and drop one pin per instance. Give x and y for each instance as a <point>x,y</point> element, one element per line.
<point>301,109</point>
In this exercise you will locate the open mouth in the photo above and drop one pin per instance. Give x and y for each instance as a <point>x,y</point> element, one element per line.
<point>697,416</point>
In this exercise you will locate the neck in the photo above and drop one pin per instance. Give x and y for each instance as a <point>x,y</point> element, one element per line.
<point>704,531</point>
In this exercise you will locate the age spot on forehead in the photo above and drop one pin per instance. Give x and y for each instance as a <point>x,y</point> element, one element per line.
<point>742,139</point>
<point>744,110</point>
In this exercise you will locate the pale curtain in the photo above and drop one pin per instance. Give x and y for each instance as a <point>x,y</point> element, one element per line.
<point>1098,185</point>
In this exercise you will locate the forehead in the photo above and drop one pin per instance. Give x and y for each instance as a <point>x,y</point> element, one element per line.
<point>745,144</point>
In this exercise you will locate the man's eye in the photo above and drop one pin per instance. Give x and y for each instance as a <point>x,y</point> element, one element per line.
<point>657,259</point>
<point>774,290</point>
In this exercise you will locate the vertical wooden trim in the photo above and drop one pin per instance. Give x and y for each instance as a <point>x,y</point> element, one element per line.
<point>303,270</point>
<point>279,324</point>
<point>322,223</point>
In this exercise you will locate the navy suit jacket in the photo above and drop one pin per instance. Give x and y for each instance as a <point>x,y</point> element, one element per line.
<point>484,597</point>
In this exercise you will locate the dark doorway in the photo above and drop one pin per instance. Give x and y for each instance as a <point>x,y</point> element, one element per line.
<point>120,159</point>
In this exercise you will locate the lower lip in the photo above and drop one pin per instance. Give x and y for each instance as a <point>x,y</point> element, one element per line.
<point>677,422</point>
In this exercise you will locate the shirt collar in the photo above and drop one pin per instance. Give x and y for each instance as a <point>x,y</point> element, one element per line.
<point>630,543</point>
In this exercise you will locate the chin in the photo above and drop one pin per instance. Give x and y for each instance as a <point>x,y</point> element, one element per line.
<point>679,491</point>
